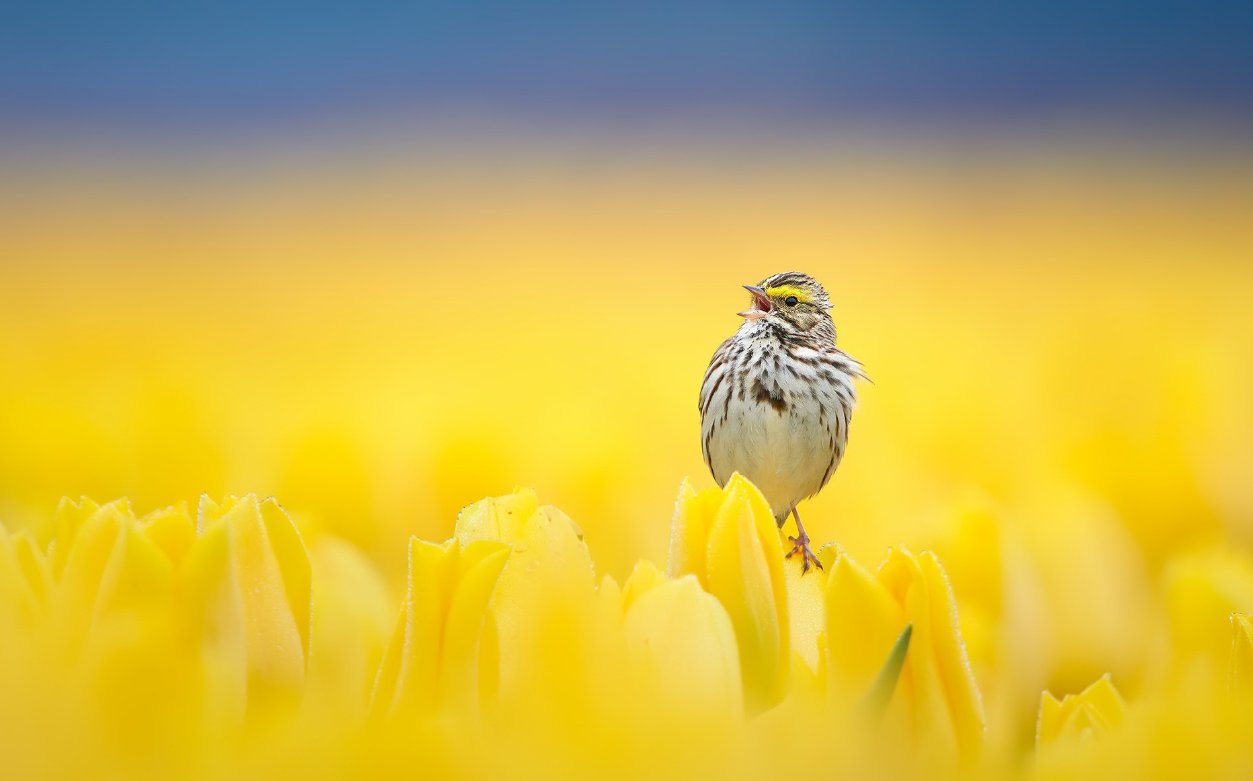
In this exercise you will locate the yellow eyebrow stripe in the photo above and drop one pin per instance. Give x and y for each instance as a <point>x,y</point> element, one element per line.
<point>783,291</point>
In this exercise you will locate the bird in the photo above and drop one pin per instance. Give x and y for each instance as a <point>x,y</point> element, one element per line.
<point>778,397</point>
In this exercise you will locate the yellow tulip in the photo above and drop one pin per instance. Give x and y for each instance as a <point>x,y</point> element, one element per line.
<point>865,616</point>
<point>236,581</point>
<point>170,629</point>
<point>728,539</point>
<point>546,593</point>
<point>680,644</point>
<point>548,548</point>
<point>70,515</point>
<point>862,621</point>
<point>352,625</point>
<point>1079,718</point>
<point>105,568</point>
<point>246,581</point>
<point>109,599</point>
<point>171,529</point>
<point>433,662</point>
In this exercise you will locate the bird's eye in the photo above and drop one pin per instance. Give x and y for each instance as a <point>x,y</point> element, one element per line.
<point>791,301</point>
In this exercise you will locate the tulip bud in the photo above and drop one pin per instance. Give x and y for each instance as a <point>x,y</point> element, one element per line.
<point>727,537</point>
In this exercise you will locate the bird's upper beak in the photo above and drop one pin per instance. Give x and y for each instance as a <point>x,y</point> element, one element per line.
<point>761,304</point>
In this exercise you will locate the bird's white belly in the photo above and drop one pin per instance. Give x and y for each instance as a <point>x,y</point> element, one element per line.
<point>785,454</point>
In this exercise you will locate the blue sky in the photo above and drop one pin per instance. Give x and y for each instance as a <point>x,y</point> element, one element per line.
<point>64,62</point>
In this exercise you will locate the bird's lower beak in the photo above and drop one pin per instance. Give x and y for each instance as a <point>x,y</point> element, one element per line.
<point>761,304</point>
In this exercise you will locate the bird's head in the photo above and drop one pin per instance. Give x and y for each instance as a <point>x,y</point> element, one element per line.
<point>792,301</point>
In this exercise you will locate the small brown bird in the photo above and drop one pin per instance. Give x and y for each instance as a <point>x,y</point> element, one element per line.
<point>777,399</point>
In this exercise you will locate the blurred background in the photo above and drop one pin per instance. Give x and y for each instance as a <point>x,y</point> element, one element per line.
<point>382,261</point>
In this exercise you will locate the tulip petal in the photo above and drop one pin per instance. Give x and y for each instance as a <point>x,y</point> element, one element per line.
<point>862,623</point>
<point>433,660</point>
<point>644,577</point>
<point>478,568</point>
<point>501,518</point>
<point>351,627</point>
<point>1079,718</point>
<point>69,517</point>
<point>946,698</point>
<point>172,530</point>
<point>689,531</point>
<point>681,642</point>
<point>806,612</point>
<point>109,566</point>
<point>745,572</point>
<point>245,575</point>
<point>293,562</point>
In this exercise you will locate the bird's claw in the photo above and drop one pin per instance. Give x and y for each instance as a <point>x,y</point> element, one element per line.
<point>800,544</point>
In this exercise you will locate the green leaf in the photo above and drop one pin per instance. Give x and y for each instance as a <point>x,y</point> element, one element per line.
<point>880,693</point>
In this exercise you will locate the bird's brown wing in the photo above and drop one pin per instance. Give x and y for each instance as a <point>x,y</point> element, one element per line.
<point>714,388</point>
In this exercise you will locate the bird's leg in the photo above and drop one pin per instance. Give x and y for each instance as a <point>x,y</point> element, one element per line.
<point>800,544</point>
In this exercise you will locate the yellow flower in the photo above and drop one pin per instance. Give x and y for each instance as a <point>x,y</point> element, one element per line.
<point>546,595</point>
<point>352,625</point>
<point>680,644</point>
<point>104,563</point>
<point>235,583</point>
<point>433,661</point>
<point>152,629</point>
<point>728,539</point>
<point>1079,718</point>
<point>865,615</point>
<point>548,547</point>
<point>246,582</point>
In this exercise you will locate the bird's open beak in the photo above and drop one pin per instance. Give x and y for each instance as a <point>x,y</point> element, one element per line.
<point>761,304</point>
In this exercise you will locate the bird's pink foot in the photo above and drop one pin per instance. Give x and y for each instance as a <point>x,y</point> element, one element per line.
<point>800,544</point>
